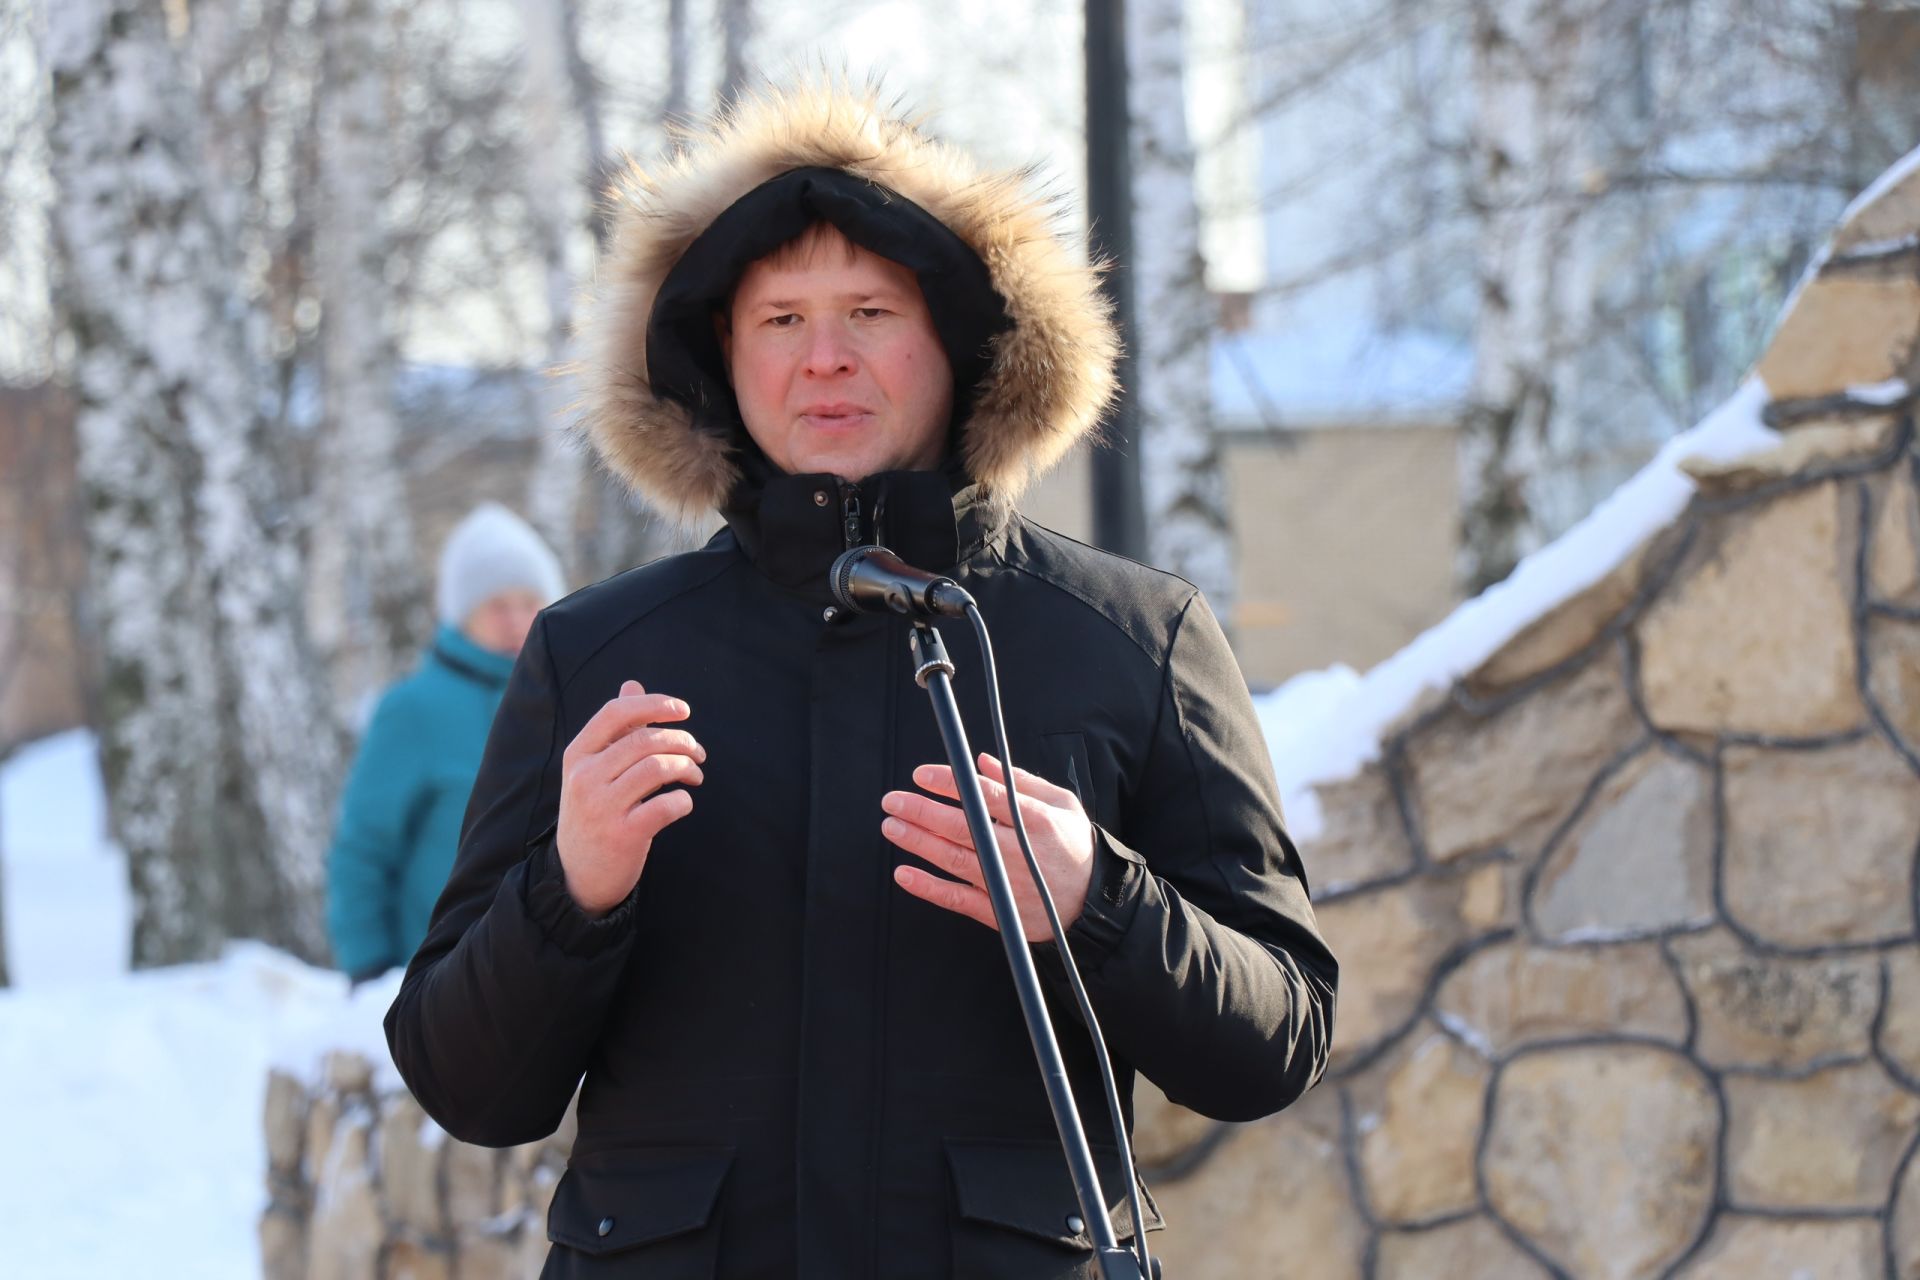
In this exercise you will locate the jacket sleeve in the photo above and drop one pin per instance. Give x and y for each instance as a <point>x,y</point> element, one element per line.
<point>371,840</point>
<point>504,1001</point>
<point>1197,943</point>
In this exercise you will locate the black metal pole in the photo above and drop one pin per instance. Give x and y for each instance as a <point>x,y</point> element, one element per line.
<point>933,671</point>
<point>1119,518</point>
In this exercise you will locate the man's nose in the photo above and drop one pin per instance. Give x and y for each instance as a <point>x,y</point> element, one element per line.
<point>829,350</point>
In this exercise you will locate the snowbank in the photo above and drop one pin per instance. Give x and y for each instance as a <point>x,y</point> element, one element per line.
<point>131,1140</point>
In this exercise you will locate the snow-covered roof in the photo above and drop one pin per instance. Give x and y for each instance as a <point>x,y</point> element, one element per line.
<point>1337,372</point>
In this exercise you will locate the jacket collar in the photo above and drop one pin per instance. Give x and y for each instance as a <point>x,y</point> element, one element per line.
<point>793,527</point>
<point>454,651</point>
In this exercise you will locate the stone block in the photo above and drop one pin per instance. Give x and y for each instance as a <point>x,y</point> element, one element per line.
<point>1404,931</point>
<point>1276,1189</point>
<point>473,1185</point>
<point>1830,1141</point>
<point>1571,626</point>
<point>1419,1115</point>
<point>348,1072</point>
<point>1510,996</point>
<point>1903,1230</point>
<point>531,1247</point>
<point>1892,215</point>
<point>1820,843</point>
<point>1603,1157</point>
<point>1893,676</point>
<point>347,1232</point>
<point>1900,1028</point>
<point>1776,1012</point>
<point>1507,780</point>
<point>1744,1247</point>
<point>1893,558</point>
<point>283,1245</point>
<point>285,1120</point>
<point>1362,837</point>
<point>1638,861</point>
<point>410,1167</point>
<point>1163,1130</point>
<point>560,1142</point>
<point>1808,446</point>
<point>1843,330</point>
<point>1714,660</point>
<point>323,1116</point>
<point>1489,896</point>
<point>411,1260</point>
<point>491,1256</point>
<point>1468,1248</point>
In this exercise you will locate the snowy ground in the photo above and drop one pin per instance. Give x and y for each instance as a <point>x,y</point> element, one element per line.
<point>130,1105</point>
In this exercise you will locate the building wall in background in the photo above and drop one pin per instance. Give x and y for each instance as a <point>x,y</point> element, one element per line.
<point>1347,535</point>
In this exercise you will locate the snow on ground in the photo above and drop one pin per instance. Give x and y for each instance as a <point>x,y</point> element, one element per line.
<point>130,1137</point>
<point>130,1105</point>
<point>1344,719</point>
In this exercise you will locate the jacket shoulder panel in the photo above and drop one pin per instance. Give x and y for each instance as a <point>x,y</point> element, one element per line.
<point>1143,603</point>
<point>582,624</point>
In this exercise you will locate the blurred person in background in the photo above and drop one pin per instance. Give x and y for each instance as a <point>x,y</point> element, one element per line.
<point>400,815</point>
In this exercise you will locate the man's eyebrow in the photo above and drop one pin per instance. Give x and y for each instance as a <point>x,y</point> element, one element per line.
<point>854,299</point>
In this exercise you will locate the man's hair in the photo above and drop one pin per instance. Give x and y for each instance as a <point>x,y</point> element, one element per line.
<point>806,248</point>
<point>818,240</point>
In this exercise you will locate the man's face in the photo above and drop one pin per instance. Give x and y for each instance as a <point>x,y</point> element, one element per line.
<point>835,361</point>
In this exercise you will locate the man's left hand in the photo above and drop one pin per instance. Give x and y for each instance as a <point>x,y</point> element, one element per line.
<point>937,833</point>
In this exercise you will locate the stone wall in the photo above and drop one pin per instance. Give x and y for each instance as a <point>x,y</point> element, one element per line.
<point>1627,919</point>
<point>1630,977</point>
<point>361,1185</point>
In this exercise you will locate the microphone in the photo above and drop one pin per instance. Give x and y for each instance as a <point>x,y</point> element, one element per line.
<point>868,579</point>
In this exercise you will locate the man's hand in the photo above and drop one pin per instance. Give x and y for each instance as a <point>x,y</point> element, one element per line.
<point>609,809</point>
<point>1062,840</point>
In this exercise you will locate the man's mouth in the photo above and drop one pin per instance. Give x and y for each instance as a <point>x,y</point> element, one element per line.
<point>835,415</point>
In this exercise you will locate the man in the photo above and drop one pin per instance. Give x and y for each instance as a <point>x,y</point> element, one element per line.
<point>712,863</point>
<point>400,814</point>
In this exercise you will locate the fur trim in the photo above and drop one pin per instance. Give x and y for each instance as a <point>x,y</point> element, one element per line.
<point>1051,375</point>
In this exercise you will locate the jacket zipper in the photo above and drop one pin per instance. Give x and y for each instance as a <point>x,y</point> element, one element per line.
<point>850,515</point>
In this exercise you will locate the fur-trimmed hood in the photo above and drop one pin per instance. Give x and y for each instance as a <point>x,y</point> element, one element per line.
<point>1050,375</point>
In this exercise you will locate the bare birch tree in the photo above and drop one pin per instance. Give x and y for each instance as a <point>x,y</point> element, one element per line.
<point>562,90</point>
<point>220,760</point>
<point>1188,528</point>
<point>736,18</point>
<point>365,592</point>
<point>554,196</point>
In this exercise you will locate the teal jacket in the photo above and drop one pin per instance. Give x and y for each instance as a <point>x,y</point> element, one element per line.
<point>405,798</point>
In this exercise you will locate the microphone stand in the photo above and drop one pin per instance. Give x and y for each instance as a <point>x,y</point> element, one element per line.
<point>933,671</point>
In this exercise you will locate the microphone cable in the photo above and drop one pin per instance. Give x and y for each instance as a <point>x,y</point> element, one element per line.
<point>1060,941</point>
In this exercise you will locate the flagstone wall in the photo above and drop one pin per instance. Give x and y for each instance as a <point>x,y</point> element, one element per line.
<point>1630,980</point>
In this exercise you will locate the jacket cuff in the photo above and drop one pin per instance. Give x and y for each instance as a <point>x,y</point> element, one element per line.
<point>560,918</point>
<point>1114,895</point>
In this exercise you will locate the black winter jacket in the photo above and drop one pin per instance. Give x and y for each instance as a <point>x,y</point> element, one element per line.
<point>792,1067</point>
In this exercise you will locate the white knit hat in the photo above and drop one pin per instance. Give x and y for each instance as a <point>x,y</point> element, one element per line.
<point>490,551</point>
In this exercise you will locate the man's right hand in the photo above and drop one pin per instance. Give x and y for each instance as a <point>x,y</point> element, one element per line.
<point>610,802</point>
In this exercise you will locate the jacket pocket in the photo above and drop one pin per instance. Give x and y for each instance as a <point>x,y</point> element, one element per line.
<point>1016,1216</point>
<point>647,1211</point>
